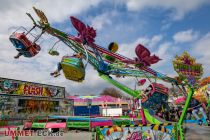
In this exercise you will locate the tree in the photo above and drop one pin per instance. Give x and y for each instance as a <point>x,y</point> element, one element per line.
<point>113,92</point>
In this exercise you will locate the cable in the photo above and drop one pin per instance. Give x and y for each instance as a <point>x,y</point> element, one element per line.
<point>55,44</point>
<point>87,57</point>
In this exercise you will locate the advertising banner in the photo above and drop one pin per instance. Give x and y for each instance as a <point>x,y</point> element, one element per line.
<point>78,124</point>
<point>22,88</point>
<point>38,125</point>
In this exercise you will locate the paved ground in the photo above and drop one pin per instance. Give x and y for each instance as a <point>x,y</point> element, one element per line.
<point>197,133</point>
<point>192,133</point>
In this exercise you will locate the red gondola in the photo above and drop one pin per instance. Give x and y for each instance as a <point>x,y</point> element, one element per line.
<point>23,44</point>
<point>155,95</point>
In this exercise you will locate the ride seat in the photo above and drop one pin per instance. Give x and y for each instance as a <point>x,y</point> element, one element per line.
<point>24,45</point>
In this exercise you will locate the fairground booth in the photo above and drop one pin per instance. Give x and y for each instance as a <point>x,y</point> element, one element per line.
<point>27,98</point>
<point>103,105</point>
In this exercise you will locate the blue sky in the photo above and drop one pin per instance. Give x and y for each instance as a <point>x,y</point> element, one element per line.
<point>165,27</point>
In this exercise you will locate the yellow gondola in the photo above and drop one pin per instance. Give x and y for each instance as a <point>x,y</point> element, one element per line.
<point>73,68</point>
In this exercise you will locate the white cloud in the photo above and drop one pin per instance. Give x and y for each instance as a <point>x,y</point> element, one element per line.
<point>149,43</point>
<point>179,7</point>
<point>163,49</point>
<point>163,54</point>
<point>37,69</point>
<point>60,10</point>
<point>101,20</point>
<point>155,40</point>
<point>12,12</point>
<point>185,36</point>
<point>202,49</point>
<point>166,25</point>
<point>123,49</point>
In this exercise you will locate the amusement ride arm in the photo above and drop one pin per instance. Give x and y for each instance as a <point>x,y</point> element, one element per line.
<point>95,59</point>
<point>133,93</point>
<point>77,47</point>
<point>150,118</point>
<point>71,40</point>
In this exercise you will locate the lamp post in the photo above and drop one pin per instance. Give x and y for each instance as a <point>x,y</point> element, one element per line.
<point>89,103</point>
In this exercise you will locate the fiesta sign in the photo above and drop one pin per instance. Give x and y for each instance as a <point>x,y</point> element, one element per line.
<point>16,87</point>
<point>32,90</point>
<point>187,68</point>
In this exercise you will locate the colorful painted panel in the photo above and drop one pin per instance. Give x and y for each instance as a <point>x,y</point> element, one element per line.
<point>22,88</point>
<point>152,132</point>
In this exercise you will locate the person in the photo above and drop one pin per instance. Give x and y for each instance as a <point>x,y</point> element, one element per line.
<point>18,55</point>
<point>197,108</point>
<point>32,50</point>
<point>129,134</point>
<point>195,113</point>
<point>56,73</point>
<point>166,116</point>
<point>20,47</point>
<point>159,112</point>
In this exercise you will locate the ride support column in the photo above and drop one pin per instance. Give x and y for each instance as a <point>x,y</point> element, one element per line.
<point>189,97</point>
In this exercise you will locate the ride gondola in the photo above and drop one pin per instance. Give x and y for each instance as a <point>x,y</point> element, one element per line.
<point>155,96</point>
<point>23,44</point>
<point>73,68</point>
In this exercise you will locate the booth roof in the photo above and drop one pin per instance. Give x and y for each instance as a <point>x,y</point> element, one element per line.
<point>102,98</point>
